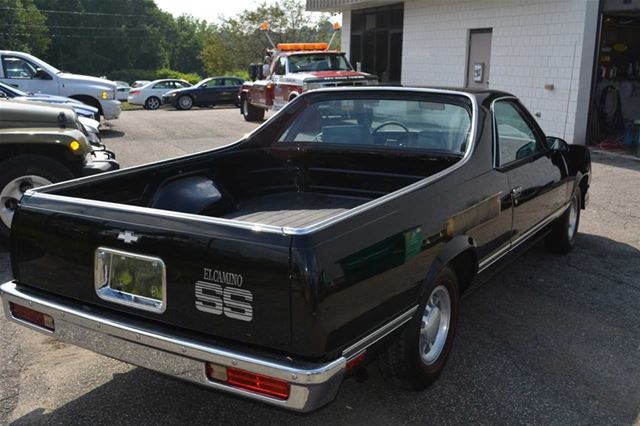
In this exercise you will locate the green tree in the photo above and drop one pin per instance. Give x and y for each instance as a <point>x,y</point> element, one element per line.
<point>216,55</point>
<point>238,41</point>
<point>187,43</point>
<point>23,27</point>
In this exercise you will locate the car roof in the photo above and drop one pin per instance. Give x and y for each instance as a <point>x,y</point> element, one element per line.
<point>160,80</point>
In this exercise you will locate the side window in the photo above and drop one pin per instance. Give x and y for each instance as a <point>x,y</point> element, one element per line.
<point>231,82</point>
<point>180,84</point>
<point>162,85</point>
<point>515,137</point>
<point>18,68</point>
<point>280,67</point>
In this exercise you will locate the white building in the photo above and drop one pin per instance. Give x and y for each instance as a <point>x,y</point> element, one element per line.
<point>557,56</point>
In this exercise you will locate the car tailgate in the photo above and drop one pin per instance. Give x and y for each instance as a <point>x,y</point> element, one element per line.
<point>54,243</point>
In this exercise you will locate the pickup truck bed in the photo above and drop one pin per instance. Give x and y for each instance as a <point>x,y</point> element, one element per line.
<point>293,209</point>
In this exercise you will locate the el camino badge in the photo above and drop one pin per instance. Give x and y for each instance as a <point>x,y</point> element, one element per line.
<point>219,293</point>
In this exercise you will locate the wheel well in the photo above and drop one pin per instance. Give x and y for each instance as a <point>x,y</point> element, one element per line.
<point>465,265</point>
<point>55,152</point>
<point>89,100</point>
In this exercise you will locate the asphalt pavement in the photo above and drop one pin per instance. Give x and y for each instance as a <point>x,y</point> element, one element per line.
<point>548,340</point>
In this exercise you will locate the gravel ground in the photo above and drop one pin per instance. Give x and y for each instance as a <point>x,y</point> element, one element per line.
<point>549,340</point>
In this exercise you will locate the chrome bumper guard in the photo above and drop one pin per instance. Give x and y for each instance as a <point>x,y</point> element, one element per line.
<point>311,385</point>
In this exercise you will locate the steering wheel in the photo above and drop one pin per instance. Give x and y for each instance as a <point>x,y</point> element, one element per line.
<point>392,123</point>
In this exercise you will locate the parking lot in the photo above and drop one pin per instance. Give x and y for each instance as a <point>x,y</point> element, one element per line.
<point>549,340</point>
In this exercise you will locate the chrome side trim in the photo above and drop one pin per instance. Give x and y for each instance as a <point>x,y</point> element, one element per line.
<point>493,257</point>
<point>256,227</point>
<point>269,228</point>
<point>312,385</point>
<point>379,334</point>
<point>500,253</point>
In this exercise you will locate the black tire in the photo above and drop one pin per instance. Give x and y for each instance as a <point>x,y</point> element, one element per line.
<point>25,165</point>
<point>185,102</point>
<point>152,103</point>
<point>563,233</point>
<point>403,362</point>
<point>251,113</point>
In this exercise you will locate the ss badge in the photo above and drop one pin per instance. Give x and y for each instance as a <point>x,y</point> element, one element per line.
<point>215,299</point>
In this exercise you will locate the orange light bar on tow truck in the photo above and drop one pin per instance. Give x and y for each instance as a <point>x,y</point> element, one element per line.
<point>302,46</point>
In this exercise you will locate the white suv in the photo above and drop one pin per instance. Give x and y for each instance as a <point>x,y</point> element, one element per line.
<point>32,75</point>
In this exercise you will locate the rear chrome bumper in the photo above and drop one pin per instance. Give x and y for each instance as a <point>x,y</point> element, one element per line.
<point>311,385</point>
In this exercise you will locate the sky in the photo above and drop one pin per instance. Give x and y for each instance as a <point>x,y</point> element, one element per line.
<point>209,9</point>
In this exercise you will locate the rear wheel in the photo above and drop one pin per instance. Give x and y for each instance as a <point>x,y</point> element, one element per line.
<point>418,356</point>
<point>152,103</point>
<point>250,112</point>
<point>185,102</point>
<point>563,234</point>
<point>19,174</point>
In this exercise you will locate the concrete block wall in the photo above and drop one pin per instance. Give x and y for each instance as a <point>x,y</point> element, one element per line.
<point>534,43</point>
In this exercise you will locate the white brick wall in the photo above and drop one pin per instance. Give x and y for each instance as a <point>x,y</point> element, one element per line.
<point>534,42</point>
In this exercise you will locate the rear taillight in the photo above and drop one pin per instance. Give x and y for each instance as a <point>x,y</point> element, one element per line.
<point>247,380</point>
<point>134,92</point>
<point>32,317</point>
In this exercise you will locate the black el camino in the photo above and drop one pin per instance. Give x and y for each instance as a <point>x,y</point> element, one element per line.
<point>343,230</point>
<point>208,93</point>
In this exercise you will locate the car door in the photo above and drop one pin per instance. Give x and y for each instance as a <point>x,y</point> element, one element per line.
<point>160,89</point>
<point>537,176</point>
<point>21,74</point>
<point>230,91</point>
<point>208,92</point>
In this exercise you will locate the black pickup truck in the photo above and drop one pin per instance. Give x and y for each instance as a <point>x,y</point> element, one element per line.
<point>342,230</point>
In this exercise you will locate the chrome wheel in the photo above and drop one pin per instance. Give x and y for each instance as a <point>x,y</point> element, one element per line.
<point>434,326</point>
<point>13,192</point>
<point>185,102</point>
<point>573,218</point>
<point>153,103</point>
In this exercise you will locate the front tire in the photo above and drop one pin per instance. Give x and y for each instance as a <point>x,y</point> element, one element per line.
<point>251,113</point>
<point>152,103</point>
<point>417,357</point>
<point>185,102</point>
<point>563,233</point>
<point>19,174</point>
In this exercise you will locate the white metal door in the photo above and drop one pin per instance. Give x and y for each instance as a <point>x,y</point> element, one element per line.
<point>479,60</point>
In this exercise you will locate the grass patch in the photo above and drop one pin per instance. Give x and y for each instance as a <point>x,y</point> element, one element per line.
<point>126,106</point>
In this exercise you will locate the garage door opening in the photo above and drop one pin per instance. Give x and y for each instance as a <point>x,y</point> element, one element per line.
<point>615,103</point>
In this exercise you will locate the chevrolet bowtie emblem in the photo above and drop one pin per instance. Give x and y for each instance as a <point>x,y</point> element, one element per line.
<point>128,237</point>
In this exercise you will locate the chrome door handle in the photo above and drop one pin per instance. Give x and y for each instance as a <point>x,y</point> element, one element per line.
<point>516,192</point>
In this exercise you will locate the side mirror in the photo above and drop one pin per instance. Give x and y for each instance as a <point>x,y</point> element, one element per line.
<point>557,144</point>
<point>3,95</point>
<point>42,75</point>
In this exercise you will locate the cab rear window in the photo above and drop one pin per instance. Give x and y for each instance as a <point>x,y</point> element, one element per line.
<point>405,124</point>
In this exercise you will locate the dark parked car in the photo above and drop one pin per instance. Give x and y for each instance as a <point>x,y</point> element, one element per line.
<point>342,230</point>
<point>208,93</point>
